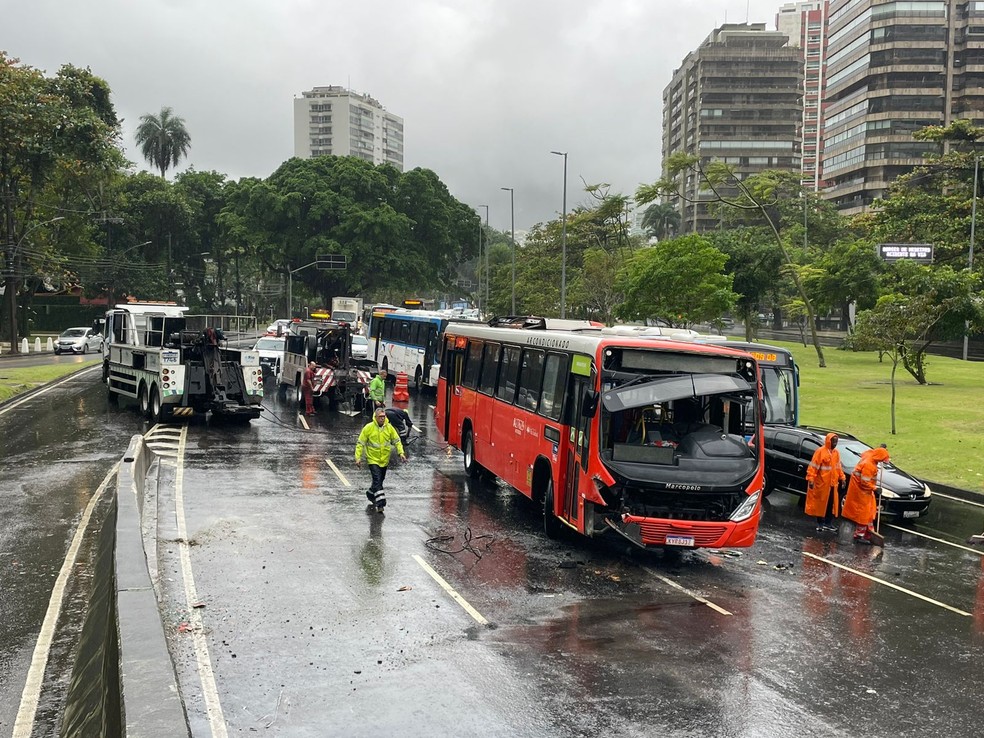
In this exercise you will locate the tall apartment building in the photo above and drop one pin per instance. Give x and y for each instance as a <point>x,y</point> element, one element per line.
<point>893,68</point>
<point>737,98</point>
<point>335,120</point>
<point>805,23</point>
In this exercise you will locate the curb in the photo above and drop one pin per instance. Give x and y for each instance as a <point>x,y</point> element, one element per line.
<point>960,494</point>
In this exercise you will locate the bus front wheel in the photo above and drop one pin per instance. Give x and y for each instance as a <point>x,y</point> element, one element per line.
<point>472,467</point>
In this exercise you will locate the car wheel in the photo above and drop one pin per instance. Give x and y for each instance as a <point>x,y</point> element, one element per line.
<point>472,467</point>
<point>551,525</point>
<point>766,486</point>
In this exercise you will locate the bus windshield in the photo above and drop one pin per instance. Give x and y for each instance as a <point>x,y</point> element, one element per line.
<point>661,424</point>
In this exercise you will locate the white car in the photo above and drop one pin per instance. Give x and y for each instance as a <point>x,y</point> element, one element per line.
<point>271,350</point>
<point>78,341</point>
<point>360,347</point>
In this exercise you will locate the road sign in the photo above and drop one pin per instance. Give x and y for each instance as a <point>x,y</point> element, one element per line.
<point>331,261</point>
<point>918,252</point>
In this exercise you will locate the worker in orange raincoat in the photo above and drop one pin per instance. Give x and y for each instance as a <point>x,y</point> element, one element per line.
<point>824,476</point>
<point>860,504</point>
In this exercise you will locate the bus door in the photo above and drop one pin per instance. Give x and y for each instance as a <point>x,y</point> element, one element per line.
<point>431,349</point>
<point>454,357</point>
<point>578,431</point>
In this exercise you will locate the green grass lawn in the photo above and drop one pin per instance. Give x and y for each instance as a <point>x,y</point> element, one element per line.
<point>14,381</point>
<point>939,426</point>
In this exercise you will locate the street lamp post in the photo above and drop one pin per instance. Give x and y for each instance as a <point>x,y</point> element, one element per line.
<point>512,237</point>
<point>290,287</point>
<point>970,260</point>
<point>563,243</point>
<point>11,282</point>
<point>481,237</point>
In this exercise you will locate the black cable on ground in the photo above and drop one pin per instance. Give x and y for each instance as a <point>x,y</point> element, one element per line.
<point>441,544</point>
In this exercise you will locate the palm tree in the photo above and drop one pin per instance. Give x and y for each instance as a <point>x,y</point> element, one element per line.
<point>660,220</point>
<point>163,139</point>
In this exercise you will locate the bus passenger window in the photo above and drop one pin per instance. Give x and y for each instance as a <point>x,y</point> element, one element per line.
<point>531,379</point>
<point>490,367</point>
<point>404,336</point>
<point>474,365</point>
<point>554,379</point>
<point>507,376</point>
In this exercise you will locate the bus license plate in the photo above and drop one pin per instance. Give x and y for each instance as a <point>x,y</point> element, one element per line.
<point>679,540</point>
<point>910,513</point>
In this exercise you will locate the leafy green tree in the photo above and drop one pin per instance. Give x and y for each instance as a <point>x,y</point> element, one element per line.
<point>892,325</point>
<point>679,283</point>
<point>759,195</point>
<point>661,220</point>
<point>754,261</point>
<point>58,141</point>
<point>848,272</point>
<point>163,139</point>
<point>399,232</point>
<point>956,303</point>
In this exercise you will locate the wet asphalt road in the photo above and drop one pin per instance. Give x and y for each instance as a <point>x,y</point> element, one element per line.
<point>315,618</point>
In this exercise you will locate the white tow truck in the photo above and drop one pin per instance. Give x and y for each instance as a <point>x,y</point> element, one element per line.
<point>149,355</point>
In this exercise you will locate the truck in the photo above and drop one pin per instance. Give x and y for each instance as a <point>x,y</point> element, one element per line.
<point>151,356</point>
<point>346,310</point>
<point>338,376</point>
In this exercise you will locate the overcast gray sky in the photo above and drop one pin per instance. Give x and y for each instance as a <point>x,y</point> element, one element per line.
<point>486,88</point>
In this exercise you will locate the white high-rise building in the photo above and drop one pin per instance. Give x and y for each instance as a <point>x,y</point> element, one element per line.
<point>334,120</point>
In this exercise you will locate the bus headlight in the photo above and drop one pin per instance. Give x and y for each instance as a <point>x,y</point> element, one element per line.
<point>745,509</point>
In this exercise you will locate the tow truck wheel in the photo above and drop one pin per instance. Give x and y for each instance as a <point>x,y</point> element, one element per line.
<point>159,413</point>
<point>298,392</point>
<point>551,526</point>
<point>144,400</point>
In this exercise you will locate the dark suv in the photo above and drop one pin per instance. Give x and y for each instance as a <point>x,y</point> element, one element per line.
<point>788,450</point>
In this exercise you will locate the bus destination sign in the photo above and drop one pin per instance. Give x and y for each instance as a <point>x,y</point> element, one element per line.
<point>918,252</point>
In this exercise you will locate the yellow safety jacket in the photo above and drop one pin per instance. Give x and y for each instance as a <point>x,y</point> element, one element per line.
<point>378,442</point>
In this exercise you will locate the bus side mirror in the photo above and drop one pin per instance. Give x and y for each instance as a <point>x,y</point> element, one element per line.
<point>590,405</point>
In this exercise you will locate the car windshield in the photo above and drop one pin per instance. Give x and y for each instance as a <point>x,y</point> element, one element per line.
<point>360,341</point>
<point>269,344</point>
<point>850,452</point>
<point>74,333</point>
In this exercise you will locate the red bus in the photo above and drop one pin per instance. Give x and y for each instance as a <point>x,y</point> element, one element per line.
<point>659,441</point>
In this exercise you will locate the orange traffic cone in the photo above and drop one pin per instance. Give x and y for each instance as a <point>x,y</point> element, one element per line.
<point>400,391</point>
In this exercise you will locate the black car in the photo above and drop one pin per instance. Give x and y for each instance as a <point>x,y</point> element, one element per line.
<point>788,450</point>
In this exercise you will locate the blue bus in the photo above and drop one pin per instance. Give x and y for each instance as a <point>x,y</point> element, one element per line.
<point>408,341</point>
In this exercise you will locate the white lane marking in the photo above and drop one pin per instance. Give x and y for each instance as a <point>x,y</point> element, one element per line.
<point>210,692</point>
<point>450,590</point>
<point>977,551</point>
<point>24,723</point>
<point>957,499</point>
<point>46,389</point>
<point>924,598</point>
<point>304,422</point>
<point>338,472</point>
<point>701,600</point>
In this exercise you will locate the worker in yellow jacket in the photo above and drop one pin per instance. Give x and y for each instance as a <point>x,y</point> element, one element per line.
<point>377,439</point>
